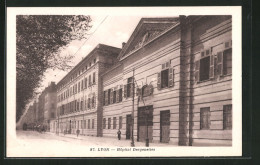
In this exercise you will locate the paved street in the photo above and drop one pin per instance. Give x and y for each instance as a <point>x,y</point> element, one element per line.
<point>35,144</point>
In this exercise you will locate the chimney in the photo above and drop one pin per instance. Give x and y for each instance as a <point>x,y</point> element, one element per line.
<point>123,44</point>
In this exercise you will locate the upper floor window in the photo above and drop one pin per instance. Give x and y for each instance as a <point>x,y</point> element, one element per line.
<point>89,80</point>
<point>211,64</point>
<point>227,117</point>
<point>94,78</point>
<point>165,77</point>
<point>94,60</point>
<point>90,64</point>
<point>86,82</point>
<point>128,88</point>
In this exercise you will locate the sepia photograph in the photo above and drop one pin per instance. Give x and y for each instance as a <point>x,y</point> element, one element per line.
<point>124,82</point>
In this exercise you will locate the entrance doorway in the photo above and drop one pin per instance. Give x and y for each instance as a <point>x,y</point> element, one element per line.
<point>128,126</point>
<point>145,123</point>
<point>165,126</point>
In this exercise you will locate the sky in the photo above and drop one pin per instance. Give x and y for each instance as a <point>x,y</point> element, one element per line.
<point>108,30</point>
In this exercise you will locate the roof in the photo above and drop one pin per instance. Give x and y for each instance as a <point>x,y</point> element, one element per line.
<point>100,47</point>
<point>146,30</point>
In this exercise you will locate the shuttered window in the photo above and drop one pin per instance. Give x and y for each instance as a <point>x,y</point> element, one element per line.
<point>78,86</point>
<point>205,118</point>
<point>120,94</point>
<point>108,96</point>
<point>165,78</point>
<point>114,96</point>
<point>125,91</point>
<point>227,117</point>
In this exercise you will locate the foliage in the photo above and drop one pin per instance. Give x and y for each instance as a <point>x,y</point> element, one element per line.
<point>39,41</point>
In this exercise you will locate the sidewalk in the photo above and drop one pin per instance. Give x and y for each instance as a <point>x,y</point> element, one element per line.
<point>110,141</point>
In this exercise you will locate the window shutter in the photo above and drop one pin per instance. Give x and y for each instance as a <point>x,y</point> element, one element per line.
<point>211,67</point>
<point>197,70</point>
<point>220,63</point>
<point>125,91</point>
<point>117,96</point>
<point>94,100</point>
<point>131,89</point>
<point>138,91</point>
<point>86,82</point>
<point>106,97</point>
<point>171,74</point>
<point>159,81</point>
<point>111,96</point>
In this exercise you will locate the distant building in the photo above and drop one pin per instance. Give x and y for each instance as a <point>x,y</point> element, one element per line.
<point>79,93</point>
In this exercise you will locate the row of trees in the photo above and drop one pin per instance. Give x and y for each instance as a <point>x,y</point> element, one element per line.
<point>39,42</point>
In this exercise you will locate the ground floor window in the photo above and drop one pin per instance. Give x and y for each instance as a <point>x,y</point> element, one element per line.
<point>205,118</point>
<point>227,117</point>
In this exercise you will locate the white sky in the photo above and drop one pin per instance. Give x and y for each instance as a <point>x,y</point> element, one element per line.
<point>113,31</point>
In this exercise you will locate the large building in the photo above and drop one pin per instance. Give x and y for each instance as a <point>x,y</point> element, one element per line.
<point>79,93</point>
<point>177,70</point>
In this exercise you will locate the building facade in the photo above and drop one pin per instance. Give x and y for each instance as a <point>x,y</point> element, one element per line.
<point>79,93</point>
<point>173,74</point>
<point>181,72</point>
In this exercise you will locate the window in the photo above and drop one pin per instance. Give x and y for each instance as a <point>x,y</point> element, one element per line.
<point>120,94</point>
<point>77,105</point>
<point>108,96</point>
<point>94,78</point>
<point>94,61</point>
<point>88,103</point>
<point>129,86</point>
<point>227,62</point>
<point>114,122</point>
<point>93,102</point>
<point>120,122</point>
<point>205,118</point>
<point>82,84</point>
<point>89,80</point>
<point>109,123</point>
<point>104,123</point>
<point>86,82</point>
<point>227,117</point>
<point>52,115</point>
<point>81,105</point>
<point>78,86</point>
<point>204,68</point>
<point>90,64</point>
<point>165,77</point>
<point>88,123</point>
<point>93,123</point>
<point>75,88</point>
<point>114,96</point>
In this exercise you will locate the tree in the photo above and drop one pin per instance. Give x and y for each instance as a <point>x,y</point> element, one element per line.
<point>39,41</point>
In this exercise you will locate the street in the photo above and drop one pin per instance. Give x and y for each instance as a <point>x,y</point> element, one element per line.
<point>35,144</point>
